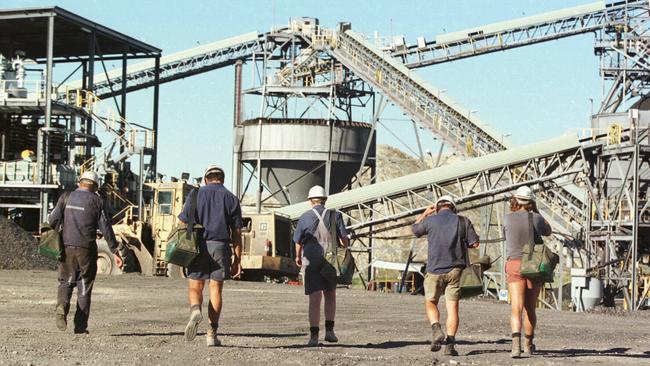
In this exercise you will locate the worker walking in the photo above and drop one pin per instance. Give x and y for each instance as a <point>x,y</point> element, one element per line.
<point>523,292</point>
<point>448,236</point>
<point>313,237</point>
<point>219,212</point>
<point>81,212</point>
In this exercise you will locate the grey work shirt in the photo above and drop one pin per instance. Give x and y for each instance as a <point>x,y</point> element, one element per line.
<point>306,228</point>
<point>516,231</point>
<point>218,211</point>
<point>84,215</point>
<point>446,248</point>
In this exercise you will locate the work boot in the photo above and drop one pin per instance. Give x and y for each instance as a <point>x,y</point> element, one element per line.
<point>313,337</point>
<point>61,322</point>
<point>329,332</point>
<point>211,338</point>
<point>516,345</point>
<point>529,347</point>
<point>437,337</point>
<point>193,324</point>
<point>450,350</point>
<point>330,336</point>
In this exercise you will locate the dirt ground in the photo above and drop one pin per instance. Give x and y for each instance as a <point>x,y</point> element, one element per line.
<point>140,320</point>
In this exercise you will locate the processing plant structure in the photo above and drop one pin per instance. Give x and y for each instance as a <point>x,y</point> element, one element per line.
<point>312,81</point>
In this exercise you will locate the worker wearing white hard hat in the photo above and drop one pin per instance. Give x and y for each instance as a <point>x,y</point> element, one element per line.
<point>313,238</point>
<point>448,237</point>
<point>90,176</point>
<point>84,213</point>
<point>523,291</point>
<point>524,194</point>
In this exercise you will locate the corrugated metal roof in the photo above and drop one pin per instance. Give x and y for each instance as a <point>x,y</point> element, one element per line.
<point>441,174</point>
<point>466,113</point>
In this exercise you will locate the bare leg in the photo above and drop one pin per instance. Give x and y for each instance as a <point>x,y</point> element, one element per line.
<point>214,308</point>
<point>431,309</point>
<point>452,317</point>
<point>516,290</point>
<point>530,301</point>
<point>196,291</point>
<point>314,308</point>
<point>330,305</point>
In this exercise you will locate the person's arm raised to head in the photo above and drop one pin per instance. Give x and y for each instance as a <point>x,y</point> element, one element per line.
<point>419,228</point>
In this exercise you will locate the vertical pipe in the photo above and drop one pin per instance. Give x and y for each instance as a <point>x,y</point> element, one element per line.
<point>44,158</point>
<point>140,186</point>
<point>236,157</point>
<point>123,102</point>
<point>238,93</point>
<point>90,86</point>
<point>560,288</point>
<point>635,228</point>
<point>72,148</point>
<point>156,94</point>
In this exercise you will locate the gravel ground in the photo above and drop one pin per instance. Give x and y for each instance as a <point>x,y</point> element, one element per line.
<point>19,249</point>
<point>140,320</point>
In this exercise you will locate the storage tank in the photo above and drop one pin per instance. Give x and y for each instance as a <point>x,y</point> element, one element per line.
<point>293,153</point>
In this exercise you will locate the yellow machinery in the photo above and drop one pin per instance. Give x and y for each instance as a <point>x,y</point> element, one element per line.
<point>266,238</point>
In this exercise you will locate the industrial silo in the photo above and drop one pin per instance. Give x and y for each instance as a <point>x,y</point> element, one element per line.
<point>293,153</point>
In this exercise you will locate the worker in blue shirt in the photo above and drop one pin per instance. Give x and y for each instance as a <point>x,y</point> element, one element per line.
<point>219,212</point>
<point>83,213</point>
<point>448,236</point>
<point>311,233</point>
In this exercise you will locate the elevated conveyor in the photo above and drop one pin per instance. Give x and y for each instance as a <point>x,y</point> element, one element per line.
<point>474,183</point>
<point>415,96</point>
<point>176,65</point>
<point>517,33</point>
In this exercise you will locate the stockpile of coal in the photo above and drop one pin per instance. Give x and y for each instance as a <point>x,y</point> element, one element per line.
<point>19,249</point>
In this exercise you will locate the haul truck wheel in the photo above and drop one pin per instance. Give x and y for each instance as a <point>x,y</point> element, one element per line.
<point>176,271</point>
<point>105,259</point>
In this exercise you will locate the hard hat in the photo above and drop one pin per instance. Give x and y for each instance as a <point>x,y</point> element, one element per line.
<point>317,192</point>
<point>91,176</point>
<point>212,169</point>
<point>446,198</point>
<point>524,193</point>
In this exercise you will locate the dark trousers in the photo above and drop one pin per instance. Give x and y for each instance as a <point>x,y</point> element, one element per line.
<point>77,269</point>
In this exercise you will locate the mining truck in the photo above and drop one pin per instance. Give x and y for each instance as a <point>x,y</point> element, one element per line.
<point>266,238</point>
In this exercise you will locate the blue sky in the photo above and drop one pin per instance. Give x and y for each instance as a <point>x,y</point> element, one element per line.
<point>533,93</point>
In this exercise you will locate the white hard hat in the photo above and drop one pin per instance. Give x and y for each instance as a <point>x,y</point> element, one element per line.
<point>446,198</point>
<point>317,192</point>
<point>91,176</point>
<point>524,193</point>
<point>212,169</point>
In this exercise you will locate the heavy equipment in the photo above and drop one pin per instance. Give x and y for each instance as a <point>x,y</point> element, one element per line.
<point>266,245</point>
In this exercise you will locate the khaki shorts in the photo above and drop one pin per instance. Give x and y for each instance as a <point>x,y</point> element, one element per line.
<point>445,283</point>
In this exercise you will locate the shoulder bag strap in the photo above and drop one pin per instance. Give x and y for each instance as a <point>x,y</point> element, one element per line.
<point>461,237</point>
<point>531,235</point>
<point>66,198</point>
<point>192,216</point>
<point>335,239</point>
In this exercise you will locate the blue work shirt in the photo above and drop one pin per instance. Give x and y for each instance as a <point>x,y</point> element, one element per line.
<point>218,211</point>
<point>84,215</point>
<point>446,248</point>
<point>306,228</point>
